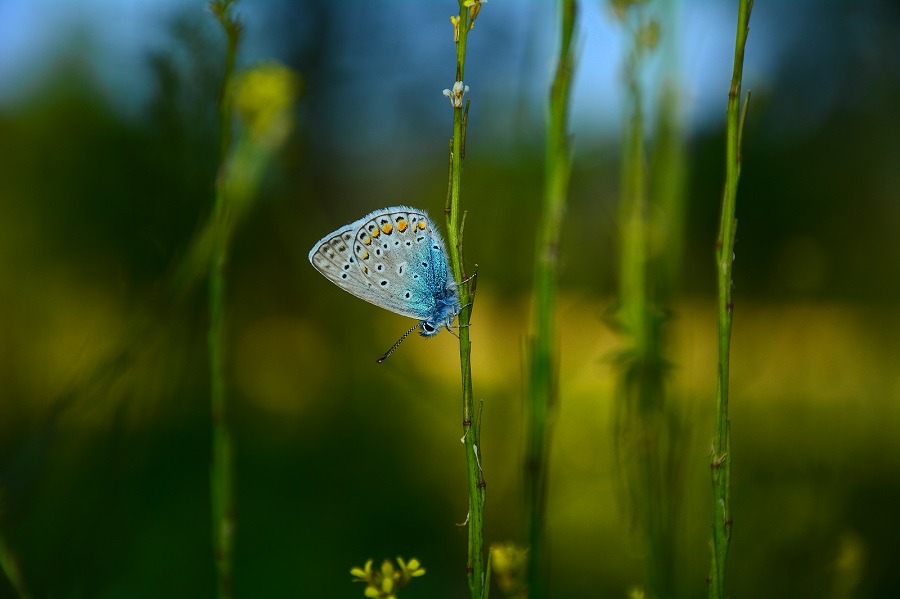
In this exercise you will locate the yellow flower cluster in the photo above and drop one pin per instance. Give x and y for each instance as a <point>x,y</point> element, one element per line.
<point>384,583</point>
<point>474,7</point>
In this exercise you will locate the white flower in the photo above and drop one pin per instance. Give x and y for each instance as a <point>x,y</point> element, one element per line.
<point>456,95</point>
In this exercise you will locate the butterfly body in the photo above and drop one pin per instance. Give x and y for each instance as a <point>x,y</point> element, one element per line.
<point>393,258</point>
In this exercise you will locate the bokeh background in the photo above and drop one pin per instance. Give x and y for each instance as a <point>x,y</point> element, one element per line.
<point>108,153</point>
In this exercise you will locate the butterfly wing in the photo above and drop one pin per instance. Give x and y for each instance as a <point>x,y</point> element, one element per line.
<point>392,258</point>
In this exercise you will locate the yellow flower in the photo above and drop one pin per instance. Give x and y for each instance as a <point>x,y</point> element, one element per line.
<point>362,573</point>
<point>388,580</point>
<point>263,97</point>
<point>508,564</point>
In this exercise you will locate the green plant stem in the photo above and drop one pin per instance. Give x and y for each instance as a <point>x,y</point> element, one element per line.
<point>222,468</point>
<point>640,393</point>
<point>475,564</point>
<point>544,361</point>
<point>667,190</point>
<point>633,218</point>
<point>221,475</point>
<point>721,448</point>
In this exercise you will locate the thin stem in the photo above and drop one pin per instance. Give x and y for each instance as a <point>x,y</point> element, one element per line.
<point>475,564</point>
<point>639,424</point>
<point>222,468</point>
<point>222,475</point>
<point>721,449</point>
<point>544,361</point>
<point>634,316</point>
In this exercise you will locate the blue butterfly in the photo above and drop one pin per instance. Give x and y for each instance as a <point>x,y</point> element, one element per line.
<point>395,259</point>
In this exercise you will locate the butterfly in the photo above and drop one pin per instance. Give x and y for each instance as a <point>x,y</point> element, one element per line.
<point>393,258</point>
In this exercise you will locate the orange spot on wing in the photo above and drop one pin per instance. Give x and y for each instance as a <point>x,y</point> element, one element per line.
<point>401,226</point>
<point>387,228</point>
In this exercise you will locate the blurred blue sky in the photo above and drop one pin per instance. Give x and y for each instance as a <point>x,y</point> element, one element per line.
<point>114,38</point>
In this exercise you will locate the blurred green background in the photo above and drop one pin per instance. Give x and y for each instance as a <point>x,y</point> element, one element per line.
<point>108,149</point>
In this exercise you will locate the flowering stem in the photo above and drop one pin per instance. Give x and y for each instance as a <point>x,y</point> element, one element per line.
<point>721,447</point>
<point>475,564</point>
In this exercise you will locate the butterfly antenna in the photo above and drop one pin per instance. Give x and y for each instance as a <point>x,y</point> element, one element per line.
<point>396,345</point>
